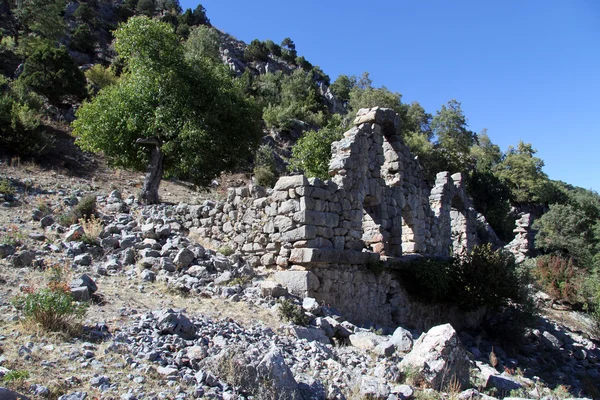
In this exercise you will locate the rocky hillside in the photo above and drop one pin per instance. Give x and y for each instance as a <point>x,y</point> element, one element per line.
<point>169,317</point>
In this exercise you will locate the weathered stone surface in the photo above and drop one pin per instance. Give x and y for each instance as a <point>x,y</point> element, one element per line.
<point>173,322</point>
<point>81,293</point>
<point>310,334</point>
<point>184,258</point>
<point>273,369</point>
<point>439,357</point>
<point>366,340</point>
<point>84,280</point>
<point>7,394</point>
<point>22,258</point>
<point>300,283</point>
<point>76,232</point>
<point>402,340</point>
<point>374,388</point>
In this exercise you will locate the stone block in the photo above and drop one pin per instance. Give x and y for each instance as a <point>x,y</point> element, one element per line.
<point>299,283</point>
<point>289,182</point>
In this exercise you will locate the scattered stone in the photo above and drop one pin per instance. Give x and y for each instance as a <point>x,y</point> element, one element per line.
<point>74,233</point>
<point>439,357</point>
<point>171,322</point>
<point>22,258</point>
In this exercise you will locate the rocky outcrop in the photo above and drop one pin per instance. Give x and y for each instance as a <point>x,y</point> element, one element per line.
<point>438,358</point>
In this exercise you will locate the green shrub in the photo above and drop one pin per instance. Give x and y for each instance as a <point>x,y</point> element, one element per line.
<point>428,280</point>
<point>560,278</point>
<point>52,72</point>
<point>84,210</point>
<point>53,308</point>
<point>290,312</point>
<point>265,177</point>
<point>101,76</point>
<point>83,39</point>
<point>256,51</point>
<point>225,250</point>
<point>6,188</point>
<point>312,153</point>
<point>15,376</point>
<point>482,278</point>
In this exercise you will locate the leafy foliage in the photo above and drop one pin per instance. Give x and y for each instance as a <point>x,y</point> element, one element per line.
<point>312,152</point>
<point>256,51</point>
<point>20,120</point>
<point>203,42</point>
<point>482,278</point>
<point>100,76</point>
<point>198,112</point>
<point>522,173</point>
<point>52,72</point>
<point>289,98</point>
<point>41,18</point>
<point>51,307</point>
<point>291,312</point>
<point>83,39</point>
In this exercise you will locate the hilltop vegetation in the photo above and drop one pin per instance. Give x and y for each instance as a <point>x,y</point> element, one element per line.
<point>206,102</point>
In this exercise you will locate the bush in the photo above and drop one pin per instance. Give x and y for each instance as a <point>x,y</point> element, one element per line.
<point>100,76</point>
<point>483,278</point>
<point>84,210</point>
<point>312,153</point>
<point>53,308</point>
<point>293,313</point>
<point>265,177</point>
<point>560,278</point>
<point>53,73</point>
<point>83,39</point>
<point>256,51</point>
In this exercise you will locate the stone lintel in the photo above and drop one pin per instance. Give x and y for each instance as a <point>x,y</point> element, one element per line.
<point>307,256</point>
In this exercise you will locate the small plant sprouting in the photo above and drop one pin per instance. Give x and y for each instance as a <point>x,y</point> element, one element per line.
<point>293,313</point>
<point>226,251</point>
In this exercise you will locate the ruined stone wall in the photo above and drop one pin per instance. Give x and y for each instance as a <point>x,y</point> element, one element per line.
<point>320,234</point>
<point>377,204</point>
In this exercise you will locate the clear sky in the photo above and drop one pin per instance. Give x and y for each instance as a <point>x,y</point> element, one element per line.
<point>525,70</point>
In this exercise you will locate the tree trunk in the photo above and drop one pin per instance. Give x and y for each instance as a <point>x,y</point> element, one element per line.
<point>154,173</point>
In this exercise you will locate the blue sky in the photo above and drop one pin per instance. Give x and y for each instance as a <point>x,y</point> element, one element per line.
<point>525,70</point>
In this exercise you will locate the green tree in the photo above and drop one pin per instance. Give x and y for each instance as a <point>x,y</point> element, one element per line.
<point>291,98</point>
<point>288,50</point>
<point>191,113</point>
<point>203,42</point>
<point>364,95</point>
<point>485,153</point>
<point>146,7</point>
<point>52,72</point>
<point>41,18</point>
<point>572,229</point>
<point>274,48</point>
<point>453,139</point>
<point>417,121</point>
<point>312,153</point>
<point>522,173</point>
<point>341,87</point>
<point>83,39</point>
<point>256,51</point>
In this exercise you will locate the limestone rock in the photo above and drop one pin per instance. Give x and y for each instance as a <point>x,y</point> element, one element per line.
<point>439,357</point>
<point>273,369</point>
<point>366,340</point>
<point>402,340</point>
<point>171,322</point>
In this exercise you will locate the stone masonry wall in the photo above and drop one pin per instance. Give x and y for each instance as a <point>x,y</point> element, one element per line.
<point>319,234</point>
<point>377,204</point>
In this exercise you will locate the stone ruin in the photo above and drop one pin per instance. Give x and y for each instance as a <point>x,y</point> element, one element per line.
<point>320,234</point>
